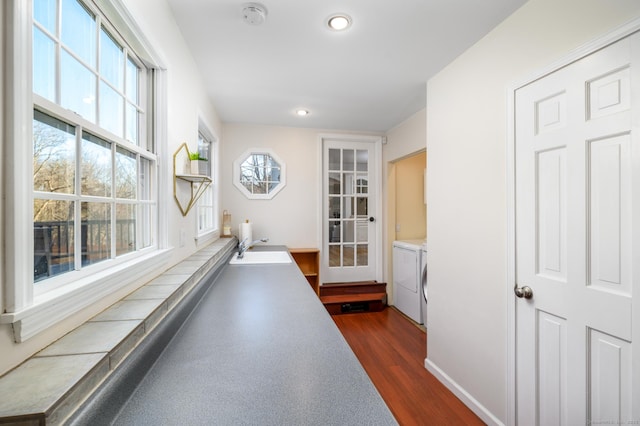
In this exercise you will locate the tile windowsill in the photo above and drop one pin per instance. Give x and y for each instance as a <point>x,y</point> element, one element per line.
<point>78,362</point>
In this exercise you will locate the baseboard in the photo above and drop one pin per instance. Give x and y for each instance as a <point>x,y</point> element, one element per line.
<point>464,396</point>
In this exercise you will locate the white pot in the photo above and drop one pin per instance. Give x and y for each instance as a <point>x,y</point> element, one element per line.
<point>198,167</point>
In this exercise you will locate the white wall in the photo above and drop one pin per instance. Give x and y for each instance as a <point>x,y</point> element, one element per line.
<point>406,138</point>
<point>466,133</point>
<point>291,218</point>
<point>187,99</point>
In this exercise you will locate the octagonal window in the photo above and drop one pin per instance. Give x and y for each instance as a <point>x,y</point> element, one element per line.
<point>259,174</point>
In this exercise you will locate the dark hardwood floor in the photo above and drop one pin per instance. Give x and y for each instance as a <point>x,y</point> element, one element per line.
<point>392,350</point>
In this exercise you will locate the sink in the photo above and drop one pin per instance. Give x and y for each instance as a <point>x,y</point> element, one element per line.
<point>261,257</point>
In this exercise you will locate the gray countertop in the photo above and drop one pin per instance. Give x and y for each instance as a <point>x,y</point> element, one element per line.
<point>259,349</point>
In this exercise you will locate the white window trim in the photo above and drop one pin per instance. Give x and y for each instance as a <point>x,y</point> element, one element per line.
<point>32,314</point>
<point>236,174</point>
<point>211,233</point>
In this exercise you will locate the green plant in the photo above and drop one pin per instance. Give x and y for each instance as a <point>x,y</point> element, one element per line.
<point>195,156</point>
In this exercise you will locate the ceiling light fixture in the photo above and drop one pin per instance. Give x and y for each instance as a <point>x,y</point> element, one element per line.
<point>339,22</point>
<point>302,112</point>
<point>254,13</point>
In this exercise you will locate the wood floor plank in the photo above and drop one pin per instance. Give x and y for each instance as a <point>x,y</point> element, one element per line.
<point>392,350</point>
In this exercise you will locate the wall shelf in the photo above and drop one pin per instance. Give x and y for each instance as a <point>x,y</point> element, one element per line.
<point>197,183</point>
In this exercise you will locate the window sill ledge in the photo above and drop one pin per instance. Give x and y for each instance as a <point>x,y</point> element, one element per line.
<point>49,386</point>
<point>56,305</point>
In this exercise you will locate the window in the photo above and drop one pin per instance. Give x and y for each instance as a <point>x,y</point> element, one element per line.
<point>206,204</point>
<point>259,174</point>
<point>92,161</point>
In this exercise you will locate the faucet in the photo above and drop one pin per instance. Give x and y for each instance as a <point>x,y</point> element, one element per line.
<point>243,246</point>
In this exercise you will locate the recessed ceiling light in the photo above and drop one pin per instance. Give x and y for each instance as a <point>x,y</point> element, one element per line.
<point>339,22</point>
<point>302,112</point>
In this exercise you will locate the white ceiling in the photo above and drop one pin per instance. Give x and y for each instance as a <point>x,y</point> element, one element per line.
<point>368,78</point>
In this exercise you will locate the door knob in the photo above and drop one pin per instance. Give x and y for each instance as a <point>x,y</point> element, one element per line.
<point>523,292</point>
<point>372,219</point>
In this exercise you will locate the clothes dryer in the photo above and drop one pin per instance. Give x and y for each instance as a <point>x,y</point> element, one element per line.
<point>407,272</point>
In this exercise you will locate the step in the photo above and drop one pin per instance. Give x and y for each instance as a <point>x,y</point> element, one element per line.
<point>330,289</point>
<point>351,303</point>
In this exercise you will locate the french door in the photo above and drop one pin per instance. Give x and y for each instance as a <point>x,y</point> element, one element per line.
<point>351,225</point>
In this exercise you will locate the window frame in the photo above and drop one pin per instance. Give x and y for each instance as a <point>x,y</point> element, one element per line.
<point>29,311</point>
<point>205,133</point>
<point>237,169</point>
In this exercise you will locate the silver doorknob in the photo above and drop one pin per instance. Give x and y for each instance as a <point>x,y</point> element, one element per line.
<point>523,292</point>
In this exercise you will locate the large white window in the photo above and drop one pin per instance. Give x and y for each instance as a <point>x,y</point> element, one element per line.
<point>93,165</point>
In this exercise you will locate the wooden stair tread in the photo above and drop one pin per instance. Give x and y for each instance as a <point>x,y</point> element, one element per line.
<point>352,297</point>
<point>356,297</point>
<point>361,287</point>
<point>350,284</point>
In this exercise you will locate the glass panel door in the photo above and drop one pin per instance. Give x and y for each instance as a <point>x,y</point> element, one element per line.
<point>349,229</point>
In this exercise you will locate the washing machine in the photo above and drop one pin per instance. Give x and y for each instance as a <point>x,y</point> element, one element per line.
<point>407,274</point>
<point>423,282</point>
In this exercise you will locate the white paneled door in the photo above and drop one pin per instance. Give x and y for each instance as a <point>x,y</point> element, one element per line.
<point>351,225</point>
<point>577,168</point>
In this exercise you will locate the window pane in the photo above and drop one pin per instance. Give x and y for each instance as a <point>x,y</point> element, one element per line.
<point>334,183</point>
<point>348,227</point>
<point>204,150</point>
<point>362,206</point>
<point>77,87</point>
<point>95,232</point>
<point>131,131</point>
<point>44,12</point>
<point>79,31</point>
<point>96,166</point>
<point>347,159</point>
<point>145,179</point>
<point>260,173</point>
<point>111,110</point>
<point>334,159</point>
<point>347,207</point>
<point>126,174</point>
<point>363,255</point>
<point>205,209</point>
<point>125,228</point>
<point>334,256</point>
<point>362,231</point>
<point>147,225</point>
<point>52,238</point>
<point>334,207</point>
<point>362,184</point>
<point>111,60</point>
<point>53,155</point>
<point>362,160</point>
<point>347,181</point>
<point>348,255</point>
<point>44,65</point>
<point>335,230</point>
<point>132,81</point>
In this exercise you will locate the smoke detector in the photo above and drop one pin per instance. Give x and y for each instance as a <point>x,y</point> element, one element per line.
<point>254,13</point>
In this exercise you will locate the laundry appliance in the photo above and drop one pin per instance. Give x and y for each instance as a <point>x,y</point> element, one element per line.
<point>407,275</point>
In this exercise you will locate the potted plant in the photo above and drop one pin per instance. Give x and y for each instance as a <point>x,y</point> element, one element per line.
<point>198,164</point>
